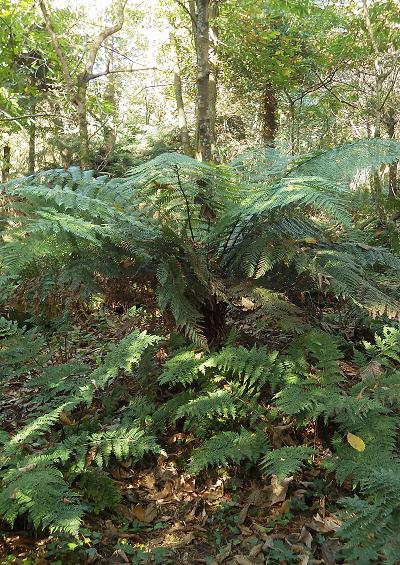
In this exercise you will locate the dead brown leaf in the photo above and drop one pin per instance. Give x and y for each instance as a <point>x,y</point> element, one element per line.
<point>119,556</point>
<point>278,489</point>
<point>243,560</point>
<point>373,369</point>
<point>145,515</point>
<point>305,537</point>
<point>324,525</point>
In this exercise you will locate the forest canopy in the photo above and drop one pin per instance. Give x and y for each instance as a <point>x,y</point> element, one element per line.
<point>199,281</point>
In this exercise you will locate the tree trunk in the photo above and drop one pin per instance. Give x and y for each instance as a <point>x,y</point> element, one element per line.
<point>32,147</point>
<point>182,122</point>
<point>5,170</point>
<point>203,132</point>
<point>214,71</point>
<point>391,125</point>
<point>110,135</point>
<point>268,115</point>
<point>81,114</point>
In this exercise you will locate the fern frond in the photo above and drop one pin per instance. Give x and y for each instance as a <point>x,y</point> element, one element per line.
<point>228,448</point>
<point>285,461</point>
<point>42,494</point>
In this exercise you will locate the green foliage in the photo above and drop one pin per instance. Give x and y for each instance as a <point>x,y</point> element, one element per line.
<point>228,448</point>
<point>41,493</point>
<point>122,442</point>
<point>202,229</point>
<point>285,461</point>
<point>372,522</point>
<point>41,483</point>
<point>99,490</point>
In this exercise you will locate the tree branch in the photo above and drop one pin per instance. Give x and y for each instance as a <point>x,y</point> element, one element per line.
<point>57,46</point>
<point>114,71</point>
<point>189,12</point>
<point>107,32</point>
<point>28,116</point>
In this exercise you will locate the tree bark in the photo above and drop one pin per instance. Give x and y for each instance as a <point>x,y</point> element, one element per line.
<point>109,95</point>
<point>214,71</point>
<point>5,170</point>
<point>180,106</point>
<point>390,123</point>
<point>268,116</point>
<point>79,102</point>
<point>202,42</point>
<point>32,148</point>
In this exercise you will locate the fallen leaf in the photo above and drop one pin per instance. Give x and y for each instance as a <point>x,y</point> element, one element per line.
<point>256,550</point>
<point>279,489</point>
<point>373,369</point>
<point>324,525</point>
<point>185,540</point>
<point>305,537</point>
<point>247,304</point>
<point>119,472</point>
<point>242,560</point>
<point>284,507</point>
<point>27,468</point>
<point>243,513</point>
<point>145,515</point>
<point>224,553</point>
<point>356,442</point>
<point>329,549</point>
<point>268,543</point>
<point>119,556</point>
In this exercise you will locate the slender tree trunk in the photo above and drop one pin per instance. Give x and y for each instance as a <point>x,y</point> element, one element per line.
<point>182,122</point>
<point>110,97</point>
<point>32,145</point>
<point>81,113</point>
<point>203,132</point>
<point>268,115</point>
<point>390,125</point>
<point>5,170</point>
<point>214,71</point>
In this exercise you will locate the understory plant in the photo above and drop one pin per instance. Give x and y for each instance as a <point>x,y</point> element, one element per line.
<point>268,238</point>
<point>196,231</point>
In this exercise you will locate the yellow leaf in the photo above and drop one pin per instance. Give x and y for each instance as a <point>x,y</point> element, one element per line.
<point>355,442</point>
<point>310,240</point>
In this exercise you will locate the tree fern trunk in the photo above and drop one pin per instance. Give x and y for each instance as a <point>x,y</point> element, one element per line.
<point>214,325</point>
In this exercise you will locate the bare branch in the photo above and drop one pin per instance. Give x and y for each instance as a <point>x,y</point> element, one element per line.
<point>114,71</point>
<point>107,32</point>
<point>188,11</point>
<point>26,116</point>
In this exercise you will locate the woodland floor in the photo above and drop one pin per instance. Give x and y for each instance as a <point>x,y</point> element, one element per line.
<point>167,517</point>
